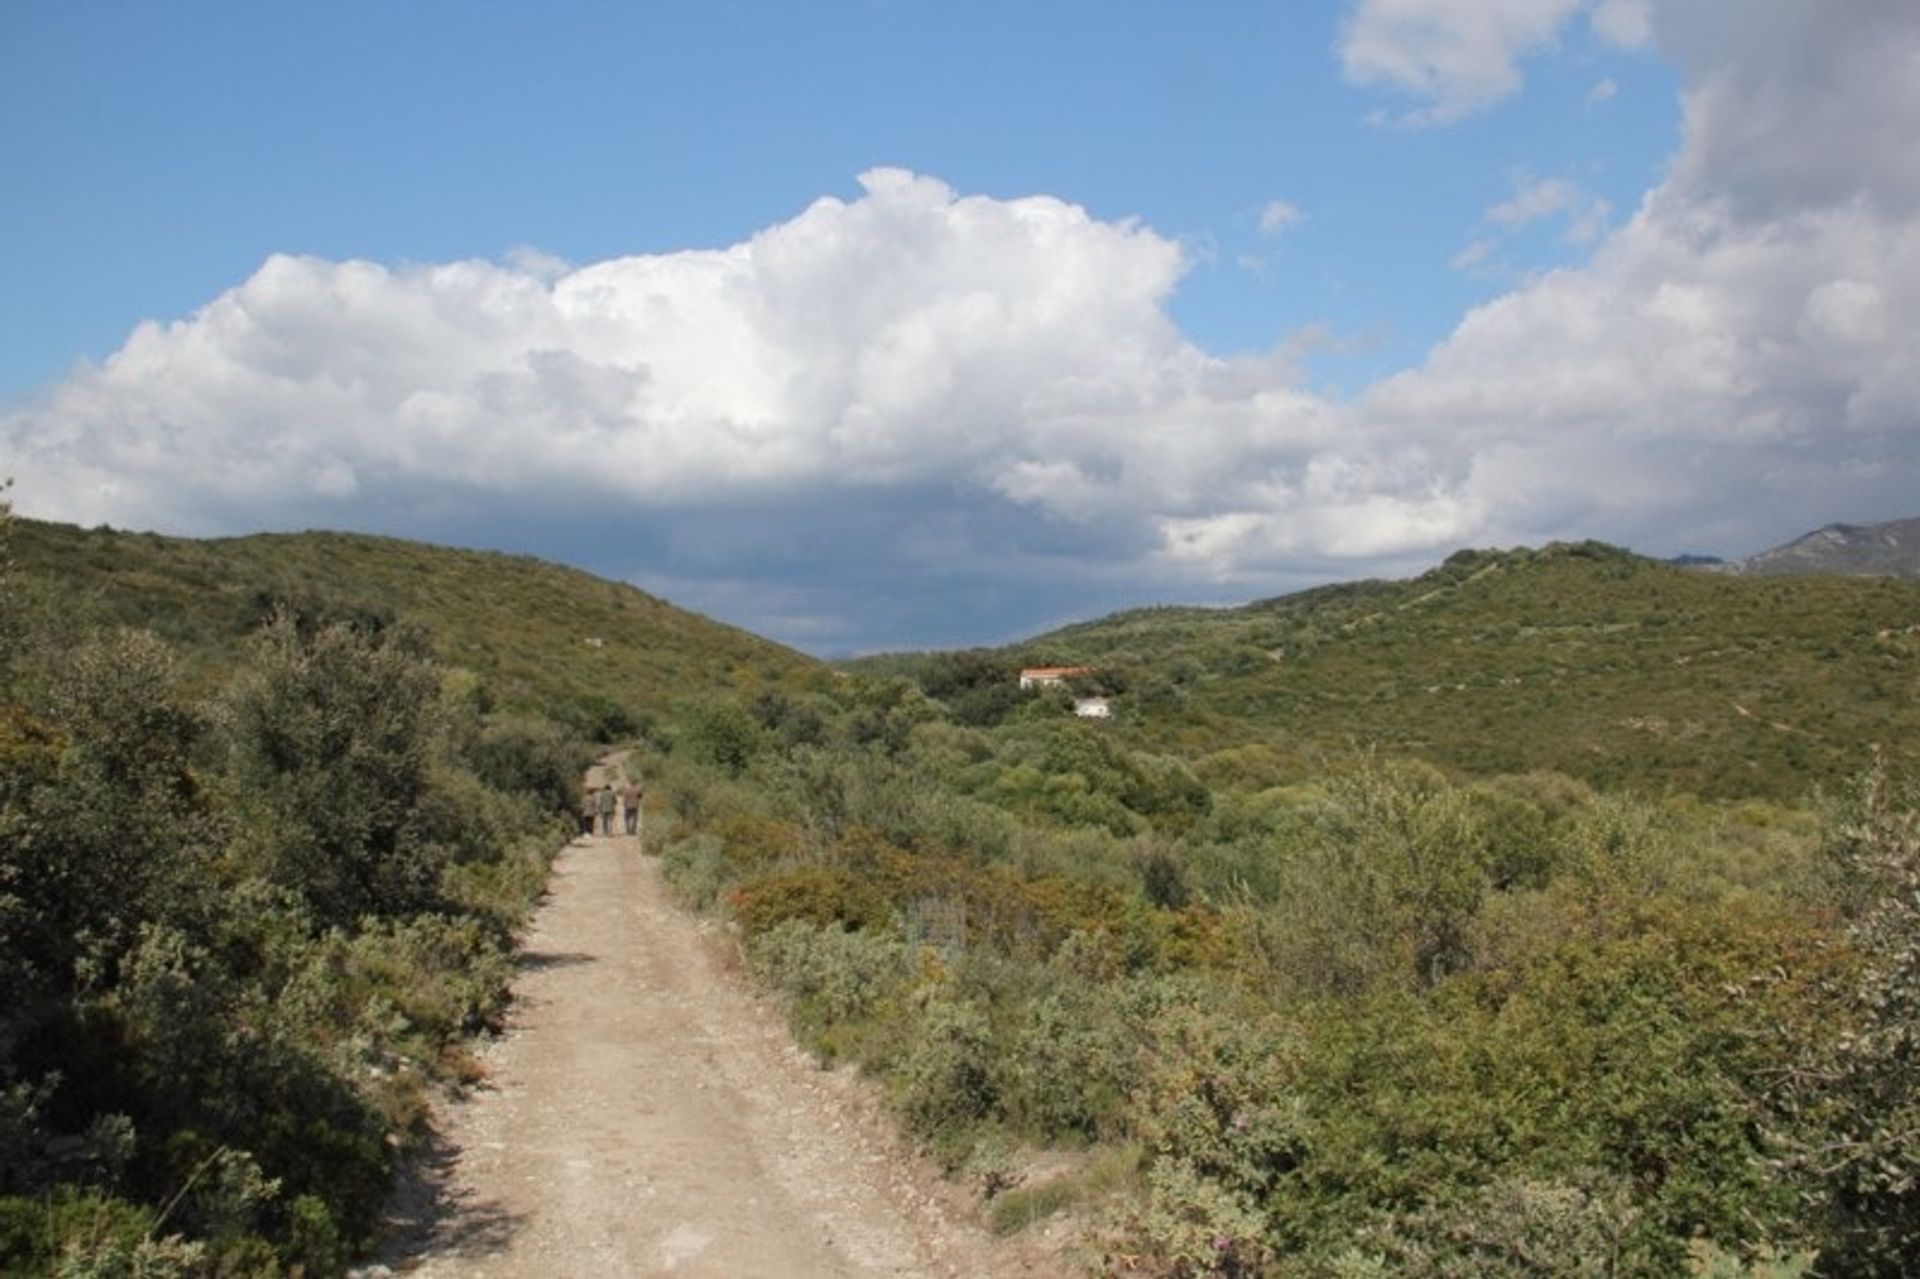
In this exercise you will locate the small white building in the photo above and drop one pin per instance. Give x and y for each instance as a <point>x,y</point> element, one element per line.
<point>1092,708</point>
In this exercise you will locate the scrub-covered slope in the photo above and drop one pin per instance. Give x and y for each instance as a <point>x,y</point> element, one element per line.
<point>539,636</point>
<point>1583,659</point>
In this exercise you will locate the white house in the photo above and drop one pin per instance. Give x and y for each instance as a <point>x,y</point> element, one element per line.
<point>1092,708</point>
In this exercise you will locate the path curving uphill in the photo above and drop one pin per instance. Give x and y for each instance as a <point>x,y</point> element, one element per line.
<point>646,1115</point>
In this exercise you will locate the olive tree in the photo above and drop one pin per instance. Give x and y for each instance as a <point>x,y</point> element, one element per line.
<point>1865,1084</point>
<point>332,736</point>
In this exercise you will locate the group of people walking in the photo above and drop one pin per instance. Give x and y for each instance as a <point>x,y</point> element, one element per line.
<point>599,804</point>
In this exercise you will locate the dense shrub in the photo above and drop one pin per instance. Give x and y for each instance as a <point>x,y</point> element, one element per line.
<point>1863,1085</point>
<point>724,735</point>
<point>83,1235</point>
<point>1381,884</point>
<point>756,843</point>
<point>598,718</point>
<point>832,975</point>
<point>818,895</point>
<point>238,941</point>
<point>947,1081</point>
<point>1515,1228</point>
<point>1070,1063</point>
<point>1380,1022</point>
<point>108,824</point>
<point>1219,1109</point>
<point>695,866</point>
<point>528,755</point>
<point>331,740</point>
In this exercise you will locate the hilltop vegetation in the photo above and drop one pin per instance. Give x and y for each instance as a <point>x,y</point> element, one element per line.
<point>538,637</point>
<point>1583,659</point>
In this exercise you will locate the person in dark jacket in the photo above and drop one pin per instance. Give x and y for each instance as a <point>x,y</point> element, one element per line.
<point>604,803</point>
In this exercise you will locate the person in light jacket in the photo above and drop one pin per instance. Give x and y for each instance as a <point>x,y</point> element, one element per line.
<point>604,803</point>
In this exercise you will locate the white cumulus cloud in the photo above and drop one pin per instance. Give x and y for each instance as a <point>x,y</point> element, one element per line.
<point>906,334</point>
<point>915,415</point>
<point>1746,344</point>
<point>900,373</point>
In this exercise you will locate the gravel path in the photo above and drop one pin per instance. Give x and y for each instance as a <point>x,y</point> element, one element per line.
<point>647,1115</point>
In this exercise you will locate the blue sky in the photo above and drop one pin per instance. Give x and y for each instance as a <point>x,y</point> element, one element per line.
<point>168,150</point>
<point>1272,226</point>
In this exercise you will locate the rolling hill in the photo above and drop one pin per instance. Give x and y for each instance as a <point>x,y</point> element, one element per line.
<point>1580,658</point>
<point>1584,659</point>
<point>538,635</point>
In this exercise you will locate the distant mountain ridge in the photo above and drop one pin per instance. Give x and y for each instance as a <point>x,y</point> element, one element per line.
<point>1888,549</point>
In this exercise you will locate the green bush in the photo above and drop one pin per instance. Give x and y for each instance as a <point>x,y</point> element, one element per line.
<point>1199,1227</point>
<point>1515,1228</point>
<point>401,990</point>
<point>1070,1063</point>
<point>107,826</point>
<point>1861,1086</point>
<point>832,976</point>
<point>529,755</point>
<point>1219,1109</point>
<point>815,894</point>
<point>696,867</point>
<point>504,889</point>
<point>753,844</point>
<point>724,735</point>
<point>225,995</point>
<point>597,718</point>
<point>947,1080</point>
<point>1383,885</point>
<point>331,741</point>
<point>85,1235</point>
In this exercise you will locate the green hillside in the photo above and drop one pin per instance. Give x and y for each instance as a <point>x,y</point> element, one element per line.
<point>1316,1011</point>
<point>1583,659</point>
<point>539,636</point>
<point>1271,1003</point>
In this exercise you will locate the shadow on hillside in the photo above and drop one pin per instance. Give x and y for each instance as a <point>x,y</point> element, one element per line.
<point>429,1217</point>
<point>539,961</point>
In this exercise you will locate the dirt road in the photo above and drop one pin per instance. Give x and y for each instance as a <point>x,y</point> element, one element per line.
<point>646,1115</point>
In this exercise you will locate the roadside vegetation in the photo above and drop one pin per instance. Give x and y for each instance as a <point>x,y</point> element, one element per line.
<point>1301,1008</point>
<point>250,912</point>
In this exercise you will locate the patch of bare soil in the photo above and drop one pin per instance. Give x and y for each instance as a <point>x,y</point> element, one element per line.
<point>647,1114</point>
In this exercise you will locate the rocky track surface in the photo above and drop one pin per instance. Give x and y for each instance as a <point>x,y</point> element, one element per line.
<point>646,1114</point>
